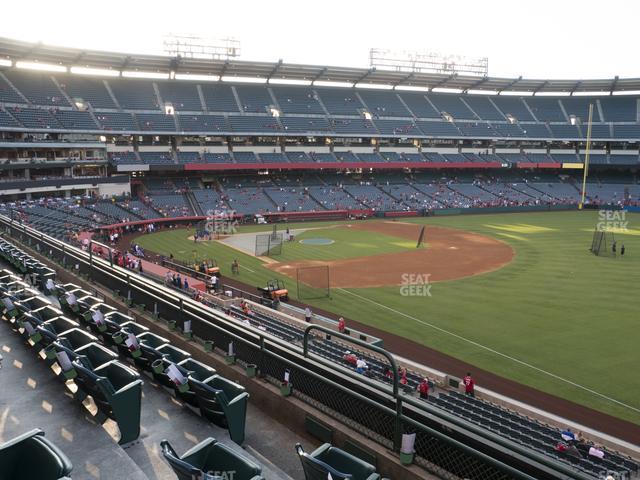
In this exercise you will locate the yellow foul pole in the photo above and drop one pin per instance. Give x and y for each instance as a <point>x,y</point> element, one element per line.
<point>586,158</point>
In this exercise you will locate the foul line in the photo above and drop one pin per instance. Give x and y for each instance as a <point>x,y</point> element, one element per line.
<point>521,362</point>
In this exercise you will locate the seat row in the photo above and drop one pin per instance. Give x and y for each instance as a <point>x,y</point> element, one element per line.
<point>199,386</point>
<point>83,340</point>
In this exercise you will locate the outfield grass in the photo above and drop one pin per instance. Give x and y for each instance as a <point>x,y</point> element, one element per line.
<point>556,307</point>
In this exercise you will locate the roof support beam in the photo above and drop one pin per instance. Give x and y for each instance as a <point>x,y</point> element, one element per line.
<point>275,69</point>
<point>509,85</point>
<point>575,87</point>
<point>484,79</point>
<point>362,77</point>
<point>319,75</point>
<point>225,66</point>
<point>444,81</point>
<point>405,79</point>
<point>540,87</point>
<point>614,84</point>
<point>125,62</point>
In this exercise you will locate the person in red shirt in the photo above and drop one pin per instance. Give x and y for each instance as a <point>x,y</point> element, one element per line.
<point>350,358</point>
<point>469,385</point>
<point>341,325</point>
<point>403,376</point>
<point>423,389</point>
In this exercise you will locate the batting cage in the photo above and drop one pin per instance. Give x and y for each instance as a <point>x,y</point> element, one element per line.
<point>602,243</point>
<point>313,282</point>
<point>269,244</point>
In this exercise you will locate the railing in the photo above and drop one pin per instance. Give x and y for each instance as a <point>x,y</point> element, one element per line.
<point>446,445</point>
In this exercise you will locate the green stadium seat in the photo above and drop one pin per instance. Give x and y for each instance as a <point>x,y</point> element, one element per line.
<point>92,355</point>
<point>224,403</point>
<point>327,459</point>
<point>32,456</point>
<point>196,371</point>
<point>170,355</point>
<point>210,460</point>
<point>116,391</point>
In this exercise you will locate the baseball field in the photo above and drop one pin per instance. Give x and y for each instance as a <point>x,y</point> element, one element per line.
<point>518,295</point>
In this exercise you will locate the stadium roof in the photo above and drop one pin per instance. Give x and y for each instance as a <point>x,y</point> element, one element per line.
<point>16,50</point>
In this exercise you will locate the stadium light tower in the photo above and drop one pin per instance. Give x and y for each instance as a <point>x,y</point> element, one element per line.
<point>427,62</point>
<point>208,48</point>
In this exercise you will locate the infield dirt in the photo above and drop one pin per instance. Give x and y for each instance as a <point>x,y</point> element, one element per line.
<point>450,254</point>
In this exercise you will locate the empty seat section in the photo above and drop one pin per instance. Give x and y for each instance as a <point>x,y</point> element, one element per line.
<point>37,87</point>
<point>546,109</point>
<point>346,126</point>
<point>134,94</point>
<point>254,124</point>
<point>88,90</point>
<point>116,121</point>
<point>181,95</point>
<point>340,101</point>
<point>438,129</point>
<point>254,99</point>
<point>297,100</point>
<point>202,123</point>
<point>383,104</point>
<point>514,107</point>
<point>308,125</point>
<point>397,127</point>
<point>156,122</point>
<point>483,107</point>
<point>219,98</point>
<point>452,105</point>
<point>419,105</point>
<point>75,120</point>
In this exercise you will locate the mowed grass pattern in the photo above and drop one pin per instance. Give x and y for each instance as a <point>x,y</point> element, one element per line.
<point>556,307</point>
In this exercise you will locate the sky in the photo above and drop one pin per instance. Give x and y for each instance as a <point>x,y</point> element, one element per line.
<point>535,39</point>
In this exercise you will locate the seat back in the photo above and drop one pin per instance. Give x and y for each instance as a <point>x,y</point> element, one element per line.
<point>33,456</point>
<point>99,388</point>
<point>207,398</point>
<point>222,459</point>
<point>197,370</point>
<point>77,337</point>
<point>173,354</point>
<point>46,313</point>
<point>315,469</point>
<point>60,324</point>
<point>182,469</point>
<point>96,355</point>
<point>114,321</point>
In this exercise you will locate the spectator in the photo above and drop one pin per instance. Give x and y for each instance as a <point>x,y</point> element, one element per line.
<point>350,358</point>
<point>307,315</point>
<point>567,435</point>
<point>469,385</point>
<point>403,376</point>
<point>361,366</point>
<point>423,389</point>
<point>213,283</point>
<point>186,284</point>
<point>341,325</point>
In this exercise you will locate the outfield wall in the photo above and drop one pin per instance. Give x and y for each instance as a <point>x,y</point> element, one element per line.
<point>523,208</point>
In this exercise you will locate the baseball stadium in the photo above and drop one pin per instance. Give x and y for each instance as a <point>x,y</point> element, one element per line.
<point>220,268</point>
